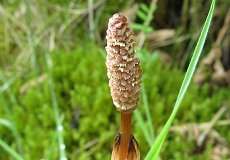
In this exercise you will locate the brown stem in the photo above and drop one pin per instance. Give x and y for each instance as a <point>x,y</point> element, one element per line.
<point>126,133</point>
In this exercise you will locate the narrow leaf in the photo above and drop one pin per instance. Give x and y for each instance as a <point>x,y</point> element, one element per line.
<point>9,150</point>
<point>144,7</point>
<point>143,28</point>
<point>143,127</point>
<point>147,113</point>
<point>142,15</point>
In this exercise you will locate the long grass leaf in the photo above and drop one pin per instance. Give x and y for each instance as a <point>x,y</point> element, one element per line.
<point>9,150</point>
<point>142,15</point>
<point>6,123</point>
<point>58,119</point>
<point>143,127</point>
<point>144,7</point>
<point>155,149</point>
<point>147,113</point>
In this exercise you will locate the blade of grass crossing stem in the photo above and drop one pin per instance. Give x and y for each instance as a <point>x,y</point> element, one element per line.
<point>147,113</point>
<point>10,151</point>
<point>155,149</point>
<point>59,127</point>
<point>143,127</point>
<point>6,123</point>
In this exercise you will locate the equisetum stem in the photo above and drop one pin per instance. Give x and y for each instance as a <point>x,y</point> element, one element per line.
<point>126,133</point>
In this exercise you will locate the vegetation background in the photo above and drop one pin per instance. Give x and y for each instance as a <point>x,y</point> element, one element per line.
<point>54,95</point>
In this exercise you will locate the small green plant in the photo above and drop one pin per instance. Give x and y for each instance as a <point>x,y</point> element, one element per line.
<point>145,13</point>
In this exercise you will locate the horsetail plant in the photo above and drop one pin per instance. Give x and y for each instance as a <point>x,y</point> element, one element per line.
<point>124,80</point>
<point>124,75</point>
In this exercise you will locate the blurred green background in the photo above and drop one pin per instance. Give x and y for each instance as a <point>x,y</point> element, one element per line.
<point>54,93</point>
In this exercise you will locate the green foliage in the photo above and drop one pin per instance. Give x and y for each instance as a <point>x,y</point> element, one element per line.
<point>161,90</point>
<point>88,116</point>
<point>28,122</point>
<point>145,14</point>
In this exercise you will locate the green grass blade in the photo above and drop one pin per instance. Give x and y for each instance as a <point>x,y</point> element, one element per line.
<point>58,119</point>
<point>6,85</point>
<point>147,113</point>
<point>143,127</point>
<point>141,27</point>
<point>142,15</point>
<point>7,107</point>
<point>6,123</point>
<point>10,151</point>
<point>144,7</point>
<point>155,149</point>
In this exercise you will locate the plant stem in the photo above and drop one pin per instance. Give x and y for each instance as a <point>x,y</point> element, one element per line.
<point>126,133</point>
